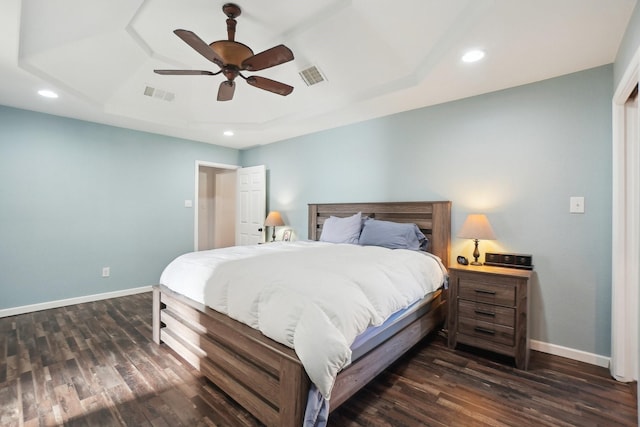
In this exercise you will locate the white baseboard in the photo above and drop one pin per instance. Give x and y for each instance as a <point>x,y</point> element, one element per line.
<point>570,353</point>
<point>64,302</point>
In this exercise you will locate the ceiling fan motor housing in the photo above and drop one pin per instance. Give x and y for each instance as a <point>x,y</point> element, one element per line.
<point>231,52</point>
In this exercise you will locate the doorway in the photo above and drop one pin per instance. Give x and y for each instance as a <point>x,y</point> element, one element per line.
<point>215,213</point>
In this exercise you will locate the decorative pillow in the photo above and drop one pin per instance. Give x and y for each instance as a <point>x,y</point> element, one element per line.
<point>392,235</point>
<point>342,230</point>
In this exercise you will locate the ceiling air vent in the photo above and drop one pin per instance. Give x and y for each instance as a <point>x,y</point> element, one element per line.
<point>312,75</point>
<point>159,93</point>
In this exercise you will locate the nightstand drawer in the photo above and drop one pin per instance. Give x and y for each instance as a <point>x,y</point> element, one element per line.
<point>487,313</point>
<point>486,331</point>
<point>487,292</point>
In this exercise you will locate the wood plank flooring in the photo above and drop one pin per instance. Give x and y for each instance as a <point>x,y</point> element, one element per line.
<point>94,364</point>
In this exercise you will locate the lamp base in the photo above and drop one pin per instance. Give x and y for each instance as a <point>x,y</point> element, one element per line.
<point>476,254</point>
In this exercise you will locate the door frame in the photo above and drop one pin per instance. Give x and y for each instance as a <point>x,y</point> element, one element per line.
<point>197,192</point>
<point>625,239</point>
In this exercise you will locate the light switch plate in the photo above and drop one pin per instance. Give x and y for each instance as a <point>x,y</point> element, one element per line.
<point>188,203</point>
<point>576,204</point>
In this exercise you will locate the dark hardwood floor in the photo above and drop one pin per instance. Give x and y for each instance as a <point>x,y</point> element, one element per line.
<point>94,364</point>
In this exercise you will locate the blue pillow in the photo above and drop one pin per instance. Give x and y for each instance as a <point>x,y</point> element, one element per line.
<point>342,230</point>
<point>392,235</point>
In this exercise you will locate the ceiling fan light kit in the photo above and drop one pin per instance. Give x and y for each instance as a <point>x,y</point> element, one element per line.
<point>234,57</point>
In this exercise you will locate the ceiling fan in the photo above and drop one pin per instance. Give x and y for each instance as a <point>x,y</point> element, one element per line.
<point>233,57</point>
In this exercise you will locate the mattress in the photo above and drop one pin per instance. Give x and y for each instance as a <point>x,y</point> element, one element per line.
<point>375,335</point>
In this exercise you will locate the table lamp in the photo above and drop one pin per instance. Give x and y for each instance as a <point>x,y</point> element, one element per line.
<point>476,227</point>
<point>273,220</point>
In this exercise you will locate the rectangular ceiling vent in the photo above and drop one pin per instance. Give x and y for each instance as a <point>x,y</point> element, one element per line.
<point>159,93</point>
<point>312,75</point>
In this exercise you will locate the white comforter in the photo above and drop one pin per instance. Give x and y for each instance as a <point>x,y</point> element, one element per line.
<point>313,297</point>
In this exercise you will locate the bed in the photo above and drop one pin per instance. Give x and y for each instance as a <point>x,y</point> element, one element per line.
<point>268,378</point>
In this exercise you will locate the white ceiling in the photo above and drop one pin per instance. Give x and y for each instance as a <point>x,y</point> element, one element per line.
<point>379,58</point>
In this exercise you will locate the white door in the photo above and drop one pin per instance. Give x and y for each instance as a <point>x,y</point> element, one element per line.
<point>251,205</point>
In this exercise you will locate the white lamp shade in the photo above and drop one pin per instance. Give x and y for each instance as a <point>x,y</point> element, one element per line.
<point>273,219</point>
<point>477,226</point>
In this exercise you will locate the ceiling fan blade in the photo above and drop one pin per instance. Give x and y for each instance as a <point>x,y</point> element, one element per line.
<point>270,85</point>
<point>199,45</point>
<point>186,72</point>
<point>225,92</point>
<point>269,58</point>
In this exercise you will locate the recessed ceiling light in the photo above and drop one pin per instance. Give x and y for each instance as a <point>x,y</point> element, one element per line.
<point>473,55</point>
<point>228,133</point>
<point>47,93</point>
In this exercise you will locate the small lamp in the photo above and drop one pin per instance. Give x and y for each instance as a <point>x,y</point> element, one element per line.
<point>273,220</point>
<point>476,227</point>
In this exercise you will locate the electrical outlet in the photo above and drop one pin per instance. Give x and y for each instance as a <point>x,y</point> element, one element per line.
<point>106,271</point>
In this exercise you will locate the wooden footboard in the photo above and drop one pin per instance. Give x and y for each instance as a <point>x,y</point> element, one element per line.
<point>263,376</point>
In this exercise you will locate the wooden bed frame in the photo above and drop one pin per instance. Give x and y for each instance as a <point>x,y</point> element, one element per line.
<point>267,378</point>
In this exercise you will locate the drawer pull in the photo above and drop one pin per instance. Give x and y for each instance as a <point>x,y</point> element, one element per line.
<point>485,313</point>
<point>484,331</point>
<point>484,291</point>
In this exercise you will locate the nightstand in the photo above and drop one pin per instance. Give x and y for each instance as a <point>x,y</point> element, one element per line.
<point>488,309</point>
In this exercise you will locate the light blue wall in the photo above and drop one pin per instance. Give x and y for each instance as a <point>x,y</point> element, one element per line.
<point>517,155</point>
<point>629,46</point>
<point>78,196</point>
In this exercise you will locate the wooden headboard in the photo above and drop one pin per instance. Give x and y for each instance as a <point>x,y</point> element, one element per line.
<point>433,218</point>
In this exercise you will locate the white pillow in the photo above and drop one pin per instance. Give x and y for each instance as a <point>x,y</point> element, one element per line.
<point>342,230</point>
